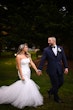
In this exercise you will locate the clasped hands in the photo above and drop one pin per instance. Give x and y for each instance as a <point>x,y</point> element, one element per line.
<point>39,72</point>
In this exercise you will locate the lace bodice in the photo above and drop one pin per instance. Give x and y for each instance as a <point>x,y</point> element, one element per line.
<point>25,68</point>
<point>25,62</point>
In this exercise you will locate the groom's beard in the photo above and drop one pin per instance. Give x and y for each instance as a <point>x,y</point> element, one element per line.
<point>50,45</point>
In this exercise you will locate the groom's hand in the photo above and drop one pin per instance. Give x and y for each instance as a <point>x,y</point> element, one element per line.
<point>66,71</point>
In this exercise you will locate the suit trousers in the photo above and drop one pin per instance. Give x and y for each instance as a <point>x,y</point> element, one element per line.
<point>57,81</point>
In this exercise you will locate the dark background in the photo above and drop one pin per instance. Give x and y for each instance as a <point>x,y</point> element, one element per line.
<point>33,21</point>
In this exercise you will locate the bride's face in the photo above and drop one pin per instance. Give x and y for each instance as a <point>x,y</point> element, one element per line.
<point>25,49</point>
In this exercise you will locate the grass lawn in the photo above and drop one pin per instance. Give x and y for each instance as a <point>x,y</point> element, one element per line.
<point>8,75</point>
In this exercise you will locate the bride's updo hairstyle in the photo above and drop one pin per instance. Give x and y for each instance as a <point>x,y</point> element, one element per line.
<point>20,49</point>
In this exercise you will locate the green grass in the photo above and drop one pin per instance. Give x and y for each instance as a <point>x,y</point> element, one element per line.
<point>8,75</point>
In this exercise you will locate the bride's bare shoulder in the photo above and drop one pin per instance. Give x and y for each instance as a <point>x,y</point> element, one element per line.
<point>18,57</point>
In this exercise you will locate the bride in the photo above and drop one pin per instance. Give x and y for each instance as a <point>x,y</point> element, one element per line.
<point>24,92</point>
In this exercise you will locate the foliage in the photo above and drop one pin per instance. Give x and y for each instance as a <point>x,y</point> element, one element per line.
<point>33,21</point>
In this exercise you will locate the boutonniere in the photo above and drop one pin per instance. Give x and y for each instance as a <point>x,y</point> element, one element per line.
<point>59,49</point>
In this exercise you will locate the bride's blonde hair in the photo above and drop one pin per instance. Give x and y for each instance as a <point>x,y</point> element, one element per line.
<point>21,47</point>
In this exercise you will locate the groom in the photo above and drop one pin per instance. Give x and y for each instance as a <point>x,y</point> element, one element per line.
<point>57,64</point>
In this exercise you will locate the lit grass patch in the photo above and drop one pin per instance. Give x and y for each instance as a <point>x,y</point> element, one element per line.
<point>8,75</point>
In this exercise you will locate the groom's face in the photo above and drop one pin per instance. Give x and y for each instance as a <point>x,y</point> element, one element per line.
<point>50,41</point>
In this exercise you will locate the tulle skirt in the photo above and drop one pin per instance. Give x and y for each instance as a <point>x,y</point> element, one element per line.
<point>21,94</point>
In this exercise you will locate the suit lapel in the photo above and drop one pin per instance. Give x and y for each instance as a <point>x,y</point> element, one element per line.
<point>58,51</point>
<point>51,51</point>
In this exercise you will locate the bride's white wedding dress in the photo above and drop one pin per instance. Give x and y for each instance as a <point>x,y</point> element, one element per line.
<point>22,93</point>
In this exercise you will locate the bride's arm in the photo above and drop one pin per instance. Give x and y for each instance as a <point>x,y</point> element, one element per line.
<point>34,66</point>
<point>19,67</point>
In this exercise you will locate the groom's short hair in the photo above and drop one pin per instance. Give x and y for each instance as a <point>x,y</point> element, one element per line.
<point>53,37</point>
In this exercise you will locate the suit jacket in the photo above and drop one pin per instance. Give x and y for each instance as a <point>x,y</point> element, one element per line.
<point>55,63</point>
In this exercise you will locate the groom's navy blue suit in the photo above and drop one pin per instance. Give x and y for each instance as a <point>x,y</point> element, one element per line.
<point>54,67</point>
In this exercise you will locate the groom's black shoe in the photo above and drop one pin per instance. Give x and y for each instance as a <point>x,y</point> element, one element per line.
<point>49,94</point>
<point>58,100</point>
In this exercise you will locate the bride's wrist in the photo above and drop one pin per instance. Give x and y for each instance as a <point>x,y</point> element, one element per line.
<point>22,78</point>
<point>36,70</point>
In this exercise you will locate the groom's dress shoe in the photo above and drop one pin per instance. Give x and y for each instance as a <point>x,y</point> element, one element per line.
<point>49,93</point>
<point>58,100</point>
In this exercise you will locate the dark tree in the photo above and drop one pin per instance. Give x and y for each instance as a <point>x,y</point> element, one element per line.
<point>32,21</point>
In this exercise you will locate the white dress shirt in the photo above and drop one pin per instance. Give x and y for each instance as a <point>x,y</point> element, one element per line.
<point>54,49</point>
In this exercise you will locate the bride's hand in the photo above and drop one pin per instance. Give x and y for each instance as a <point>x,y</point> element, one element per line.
<point>22,79</point>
